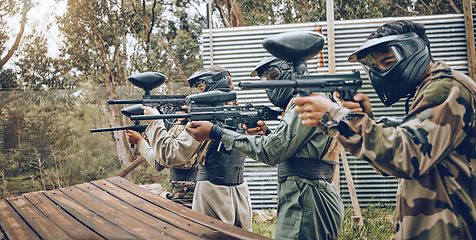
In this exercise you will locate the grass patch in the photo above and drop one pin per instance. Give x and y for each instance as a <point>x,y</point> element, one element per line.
<point>378,224</point>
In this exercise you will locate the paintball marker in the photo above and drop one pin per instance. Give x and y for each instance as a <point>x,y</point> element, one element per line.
<point>296,48</point>
<point>207,98</point>
<point>150,80</point>
<point>231,116</point>
<point>129,112</point>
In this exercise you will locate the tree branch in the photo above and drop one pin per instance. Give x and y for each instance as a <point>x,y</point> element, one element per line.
<point>404,10</point>
<point>453,5</point>
<point>26,8</point>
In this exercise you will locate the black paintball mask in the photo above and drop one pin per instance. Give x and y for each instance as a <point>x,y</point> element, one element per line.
<point>214,80</point>
<point>394,64</point>
<point>271,69</point>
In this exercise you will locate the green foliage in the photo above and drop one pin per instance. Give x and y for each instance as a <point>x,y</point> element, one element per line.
<point>270,12</point>
<point>93,33</point>
<point>37,69</point>
<point>46,143</point>
<point>267,229</point>
<point>8,79</point>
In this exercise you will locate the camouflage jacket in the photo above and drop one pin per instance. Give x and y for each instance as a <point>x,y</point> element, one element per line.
<point>432,153</point>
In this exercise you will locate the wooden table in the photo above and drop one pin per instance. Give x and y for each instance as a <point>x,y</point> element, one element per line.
<point>112,208</point>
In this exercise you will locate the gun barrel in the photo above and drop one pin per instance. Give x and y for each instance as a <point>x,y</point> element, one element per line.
<point>109,129</point>
<point>306,84</point>
<point>161,116</point>
<point>306,81</point>
<point>131,101</point>
<point>180,101</point>
<point>137,128</point>
<point>267,84</point>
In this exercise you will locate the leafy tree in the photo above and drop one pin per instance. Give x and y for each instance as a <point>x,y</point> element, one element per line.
<point>93,31</point>
<point>170,42</point>
<point>268,12</point>
<point>10,8</point>
<point>95,45</point>
<point>8,80</point>
<point>37,69</point>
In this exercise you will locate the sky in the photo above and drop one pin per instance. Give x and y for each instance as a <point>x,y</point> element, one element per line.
<point>39,17</point>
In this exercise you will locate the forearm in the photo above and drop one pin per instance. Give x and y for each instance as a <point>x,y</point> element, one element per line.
<point>173,151</point>
<point>281,144</point>
<point>407,150</point>
<point>149,155</point>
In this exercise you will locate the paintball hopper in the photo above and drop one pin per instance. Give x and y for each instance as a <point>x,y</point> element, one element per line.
<point>295,46</point>
<point>133,110</point>
<point>147,80</point>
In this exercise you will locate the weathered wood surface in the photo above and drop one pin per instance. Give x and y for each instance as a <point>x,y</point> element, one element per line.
<point>112,208</point>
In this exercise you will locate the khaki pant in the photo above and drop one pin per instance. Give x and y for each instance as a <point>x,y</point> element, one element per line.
<point>230,204</point>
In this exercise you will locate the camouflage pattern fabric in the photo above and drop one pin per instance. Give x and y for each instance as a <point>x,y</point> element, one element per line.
<point>432,153</point>
<point>182,192</point>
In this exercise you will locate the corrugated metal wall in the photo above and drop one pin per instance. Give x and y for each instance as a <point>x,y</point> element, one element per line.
<point>239,50</point>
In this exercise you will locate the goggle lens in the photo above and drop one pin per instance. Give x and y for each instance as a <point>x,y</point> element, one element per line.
<point>272,73</point>
<point>381,59</point>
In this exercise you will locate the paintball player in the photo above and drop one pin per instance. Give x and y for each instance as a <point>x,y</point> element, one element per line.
<point>309,206</point>
<point>221,191</point>
<point>432,151</point>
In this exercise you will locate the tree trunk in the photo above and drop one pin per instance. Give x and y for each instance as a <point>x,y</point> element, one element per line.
<point>114,116</point>
<point>26,8</point>
<point>230,13</point>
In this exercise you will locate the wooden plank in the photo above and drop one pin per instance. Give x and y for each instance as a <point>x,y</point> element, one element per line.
<point>13,225</point>
<point>37,221</point>
<point>88,218</point>
<point>113,215</point>
<point>146,220</point>
<point>156,211</point>
<point>223,230</point>
<point>57,215</point>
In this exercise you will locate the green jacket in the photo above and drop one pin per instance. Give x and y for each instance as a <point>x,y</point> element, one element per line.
<point>290,139</point>
<point>432,153</point>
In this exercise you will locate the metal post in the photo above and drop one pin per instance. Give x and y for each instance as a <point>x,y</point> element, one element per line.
<point>331,57</point>
<point>469,29</point>
<point>210,27</point>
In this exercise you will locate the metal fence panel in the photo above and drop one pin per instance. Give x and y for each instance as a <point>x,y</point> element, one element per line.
<point>239,49</point>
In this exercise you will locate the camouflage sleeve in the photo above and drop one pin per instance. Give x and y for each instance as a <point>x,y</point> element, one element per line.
<point>434,126</point>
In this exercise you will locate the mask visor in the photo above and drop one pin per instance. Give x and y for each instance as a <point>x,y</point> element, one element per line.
<point>272,73</point>
<point>381,59</point>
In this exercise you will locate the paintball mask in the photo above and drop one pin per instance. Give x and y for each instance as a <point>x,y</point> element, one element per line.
<point>394,64</point>
<point>213,79</point>
<point>272,68</point>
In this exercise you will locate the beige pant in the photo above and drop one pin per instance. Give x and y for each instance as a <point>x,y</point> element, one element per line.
<point>230,204</point>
